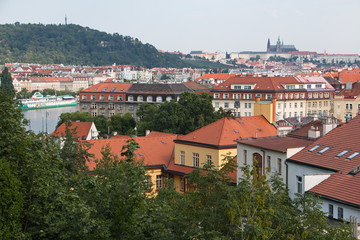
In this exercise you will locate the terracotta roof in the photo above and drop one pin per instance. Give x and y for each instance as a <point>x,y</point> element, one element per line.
<point>345,137</point>
<point>82,129</point>
<point>277,143</point>
<point>50,79</point>
<point>225,131</point>
<point>108,87</point>
<point>343,187</point>
<point>349,75</point>
<point>154,151</point>
<point>354,92</point>
<point>197,87</point>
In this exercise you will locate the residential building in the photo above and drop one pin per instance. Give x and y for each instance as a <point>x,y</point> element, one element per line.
<point>295,96</point>
<point>347,102</point>
<point>210,144</point>
<point>81,131</point>
<point>329,168</point>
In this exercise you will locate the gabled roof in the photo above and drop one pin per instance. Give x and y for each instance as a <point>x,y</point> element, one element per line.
<point>345,137</point>
<point>108,87</point>
<point>354,92</point>
<point>82,130</point>
<point>154,151</point>
<point>340,187</point>
<point>277,143</point>
<point>196,87</point>
<point>225,131</point>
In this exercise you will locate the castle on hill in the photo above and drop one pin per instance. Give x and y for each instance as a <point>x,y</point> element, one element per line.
<point>279,47</point>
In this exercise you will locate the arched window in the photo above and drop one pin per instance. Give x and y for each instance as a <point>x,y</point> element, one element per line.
<point>168,98</point>
<point>158,99</point>
<point>149,99</point>
<point>131,98</point>
<point>140,98</point>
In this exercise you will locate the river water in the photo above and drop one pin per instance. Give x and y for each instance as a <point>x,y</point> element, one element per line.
<point>45,120</point>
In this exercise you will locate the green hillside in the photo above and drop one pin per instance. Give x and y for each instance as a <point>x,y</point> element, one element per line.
<point>74,44</point>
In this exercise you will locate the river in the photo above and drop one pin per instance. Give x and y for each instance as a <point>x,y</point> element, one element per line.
<point>45,120</point>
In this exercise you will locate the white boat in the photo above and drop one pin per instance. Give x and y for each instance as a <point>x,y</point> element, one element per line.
<point>38,101</point>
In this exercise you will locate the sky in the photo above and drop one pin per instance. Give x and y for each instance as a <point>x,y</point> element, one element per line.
<point>331,26</point>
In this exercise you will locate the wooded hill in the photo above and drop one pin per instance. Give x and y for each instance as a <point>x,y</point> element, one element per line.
<point>76,45</point>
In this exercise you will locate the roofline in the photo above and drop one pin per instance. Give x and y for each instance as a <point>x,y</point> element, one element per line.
<point>336,200</point>
<point>205,144</point>
<point>265,148</point>
<point>311,165</point>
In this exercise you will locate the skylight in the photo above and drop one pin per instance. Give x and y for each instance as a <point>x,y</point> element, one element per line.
<point>353,155</point>
<point>113,89</point>
<point>104,89</point>
<point>314,148</point>
<point>342,153</point>
<point>324,150</point>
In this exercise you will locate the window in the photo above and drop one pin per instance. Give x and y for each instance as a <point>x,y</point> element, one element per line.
<point>93,106</point>
<point>284,104</point>
<point>104,89</point>
<point>245,157</point>
<point>299,184</point>
<point>111,106</point>
<point>258,95</point>
<point>279,105</point>
<point>318,85</point>
<point>342,153</point>
<point>182,158</point>
<point>226,105</point>
<point>349,106</point>
<point>209,160</point>
<point>195,159</point>
<point>159,181</point>
<point>280,95</point>
<point>148,183</point>
<point>340,213</point>
<point>111,97</point>
<point>168,98</point>
<point>102,106</point>
<point>301,113</point>
<point>149,99</point>
<point>269,162</point>
<point>119,107</point>
<point>182,184</point>
<point>237,87</point>
<point>301,104</point>
<point>279,163</point>
<point>295,105</point>
<point>314,148</point>
<point>112,90</point>
<point>353,155</point>
<point>140,98</point>
<point>246,87</point>
<point>247,105</point>
<point>324,150</point>
<point>308,86</point>
<point>94,114</point>
<point>216,96</point>
<point>217,104</point>
<point>247,96</point>
<point>236,96</point>
<point>131,107</point>
<point>93,97</point>
<point>159,99</point>
<point>226,96</point>
<point>84,97</point>
<point>102,97</point>
<point>331,211</point>
<point>289,105</point>
<point>119,97</point>
<point>131,98</point>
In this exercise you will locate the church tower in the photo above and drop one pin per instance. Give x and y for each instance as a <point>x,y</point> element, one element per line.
<point>268,45</point>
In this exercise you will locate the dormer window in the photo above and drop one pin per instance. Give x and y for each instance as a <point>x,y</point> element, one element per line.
<point>353,155</point>
<point>342,153</point>
<point>314,148</point>
<point>324,150</point>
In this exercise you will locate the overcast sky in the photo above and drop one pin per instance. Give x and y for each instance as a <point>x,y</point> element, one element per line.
<point>209,25</point>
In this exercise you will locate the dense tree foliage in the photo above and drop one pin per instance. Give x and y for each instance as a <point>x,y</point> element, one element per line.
<point>122,124</point>
<point>191,112</point>
<point>6,83</point>
<point>74,44</point>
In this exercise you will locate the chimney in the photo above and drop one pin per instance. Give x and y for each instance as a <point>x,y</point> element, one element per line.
<point>147,132</point>
<point>314,132</point>
<point>257,99</point>
<point>348,86</point>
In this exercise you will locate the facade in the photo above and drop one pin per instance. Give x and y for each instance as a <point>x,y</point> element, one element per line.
<point>270,154</point>
<point>347,102</point>
<point>294,96</point>
<point>329,168</point>
<point>111,98</point>
<point>210,144</point>
<point>105,98</point>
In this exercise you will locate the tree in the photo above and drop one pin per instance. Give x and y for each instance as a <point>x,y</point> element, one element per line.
<point>6,83</point>
<point>122,124</point>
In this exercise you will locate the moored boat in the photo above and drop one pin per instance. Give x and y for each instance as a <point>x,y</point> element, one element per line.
<point>38,101</point>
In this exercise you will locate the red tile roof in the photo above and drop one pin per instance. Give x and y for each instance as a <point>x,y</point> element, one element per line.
<point>81,129</point>
<point>154,151</point>
<point>349,75</point>
<point>119,87</point>
<point>346,137</point>
<point>277,143</point>
<point>354,92</point>
<point>220,76</point>
<point>343,187</point>
<point>225,131</point>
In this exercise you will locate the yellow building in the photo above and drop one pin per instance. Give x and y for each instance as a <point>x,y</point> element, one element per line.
<point>211,143</point>
<point>347,102</point>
